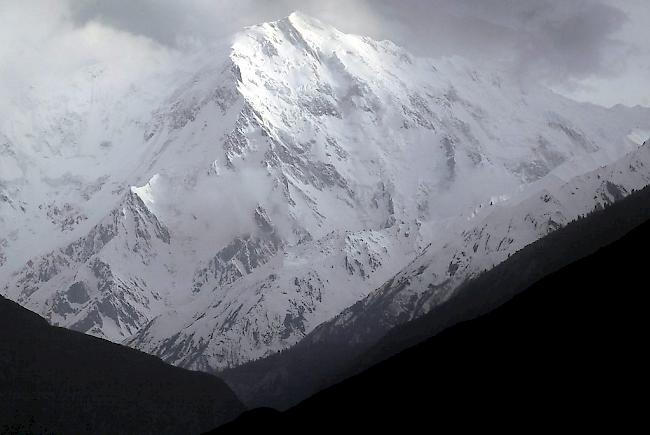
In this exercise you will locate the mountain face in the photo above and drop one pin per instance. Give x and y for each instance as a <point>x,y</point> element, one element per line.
<point>89,294</point>
<point>564,349</point>
<point>500,232</point>
<point>431,283</point>
<point>357,339</point>
<point>54,380</point>
<point>219,212</point>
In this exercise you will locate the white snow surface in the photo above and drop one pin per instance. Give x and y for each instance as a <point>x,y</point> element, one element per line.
<point>496,232</point>
<point>219,210</point>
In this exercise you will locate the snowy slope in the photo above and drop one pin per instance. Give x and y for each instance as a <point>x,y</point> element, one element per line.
<point>79,285</point>
<point>232,325</point>
<point>220,210</point>
<point>489,238</point>
<point>279,303</point>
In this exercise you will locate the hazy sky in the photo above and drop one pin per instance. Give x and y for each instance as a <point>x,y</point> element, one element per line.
<point>593,50</point>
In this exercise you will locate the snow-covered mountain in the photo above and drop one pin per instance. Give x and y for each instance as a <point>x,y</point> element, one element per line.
<point>495,233</point>
<point>484,239</point>
<point>221,210</point>
<point>279,303</point>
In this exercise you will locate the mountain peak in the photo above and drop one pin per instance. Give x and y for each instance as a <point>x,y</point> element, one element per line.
<point>302,18</point>
<point>299,30</point>
<point>304,21</point>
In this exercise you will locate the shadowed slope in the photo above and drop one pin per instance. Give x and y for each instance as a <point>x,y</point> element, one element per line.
<point>54,380</point>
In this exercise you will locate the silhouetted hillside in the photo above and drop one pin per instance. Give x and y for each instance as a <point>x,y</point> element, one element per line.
<point>54,380</point>
<point>565,353</point>
<point>284,379</point>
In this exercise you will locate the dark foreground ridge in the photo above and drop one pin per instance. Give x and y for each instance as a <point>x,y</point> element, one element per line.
<point>53,380</point>
<point>565,353</point>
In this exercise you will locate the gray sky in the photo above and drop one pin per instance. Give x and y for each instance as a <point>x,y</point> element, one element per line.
<point>593,50</point>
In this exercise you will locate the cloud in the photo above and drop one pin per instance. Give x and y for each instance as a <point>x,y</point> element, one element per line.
<point>48,48</point>
<point>555,37</point>
<point>575,42</point>
<point>217,209</point>
<point>562,43</point>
